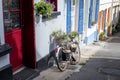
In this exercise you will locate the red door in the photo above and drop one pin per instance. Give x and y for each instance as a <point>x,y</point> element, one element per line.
<point>19,13</point>
<point>13,32</point>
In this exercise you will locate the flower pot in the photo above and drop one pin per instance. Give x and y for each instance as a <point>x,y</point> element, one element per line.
<point>102,38</point>
<point>109,32</point>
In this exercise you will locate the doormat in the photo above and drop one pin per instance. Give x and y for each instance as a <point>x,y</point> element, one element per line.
<point>26,74</point>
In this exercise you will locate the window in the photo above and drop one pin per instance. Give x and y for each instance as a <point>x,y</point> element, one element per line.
<point>11,13</point>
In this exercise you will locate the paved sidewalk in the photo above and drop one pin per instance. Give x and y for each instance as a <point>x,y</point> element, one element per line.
<point>104,64</point>
<point>54,74</point>
<point>102,57</point>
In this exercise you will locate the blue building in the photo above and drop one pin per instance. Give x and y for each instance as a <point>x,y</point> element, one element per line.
<point>82,16</point>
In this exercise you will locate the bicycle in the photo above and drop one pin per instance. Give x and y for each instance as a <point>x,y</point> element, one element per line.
<point>66,52</point>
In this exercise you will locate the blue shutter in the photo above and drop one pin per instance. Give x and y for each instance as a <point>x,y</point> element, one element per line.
<point>97,10</point>
<point>90,13</point>
<point>80,19</point>
<point>68,16</point>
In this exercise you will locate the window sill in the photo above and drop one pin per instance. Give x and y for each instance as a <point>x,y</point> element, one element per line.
<point>5,49</point>
<point>53,15</point>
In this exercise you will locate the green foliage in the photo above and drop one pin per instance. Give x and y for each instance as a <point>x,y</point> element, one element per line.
<point>102,34</point>
<point>114,30</point>
<point>82,63</point>
<point>43,8</point>
<point>93,22</point>
<point>110,26</point>
<point>73,34</point>
<point>59,35</point>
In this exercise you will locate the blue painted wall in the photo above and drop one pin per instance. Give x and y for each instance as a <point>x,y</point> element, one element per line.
<point>97,10</point>
<point>69,7</point>
<point>81,14</point>
<point>90,13</point>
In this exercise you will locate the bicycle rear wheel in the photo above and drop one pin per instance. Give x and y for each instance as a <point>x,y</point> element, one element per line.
<point>76,55</point>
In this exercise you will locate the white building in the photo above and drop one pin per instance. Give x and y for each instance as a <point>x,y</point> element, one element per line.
<point>108,14</point>
<point>29,35</point>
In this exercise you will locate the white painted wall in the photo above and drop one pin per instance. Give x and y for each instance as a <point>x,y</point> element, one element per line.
<point>110,4</point>
<point>105,4</point>
<point>44,29</point>
<point>86,17</point>
<point>73,17</point>
<point>88,31</point>
<point>5,59</point>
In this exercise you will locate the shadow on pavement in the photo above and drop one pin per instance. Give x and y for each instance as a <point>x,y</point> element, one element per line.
<point>104,65</point>
<point>94,70</point>
<point>114,38</point>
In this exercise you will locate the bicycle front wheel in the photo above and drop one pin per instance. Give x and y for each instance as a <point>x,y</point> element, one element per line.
<point>62,64</point>
<point>76,55</point>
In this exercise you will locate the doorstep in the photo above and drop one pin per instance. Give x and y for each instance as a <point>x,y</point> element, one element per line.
<point>26,74</point>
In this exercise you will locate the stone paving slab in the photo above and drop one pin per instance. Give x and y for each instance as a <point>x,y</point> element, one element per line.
<point>111,71</point>
<point>54,74</point>
<point>100,55</point>
<point>92,70</point>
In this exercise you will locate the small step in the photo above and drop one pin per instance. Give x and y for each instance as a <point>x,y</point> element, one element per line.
<point>26,74</point>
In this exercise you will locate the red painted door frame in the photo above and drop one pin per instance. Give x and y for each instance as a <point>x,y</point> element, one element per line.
<point>28,31</point>
<point>26,42</point>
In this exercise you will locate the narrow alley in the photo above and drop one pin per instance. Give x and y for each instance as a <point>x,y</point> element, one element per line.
<point>35,36</point>
<point>104,65</point>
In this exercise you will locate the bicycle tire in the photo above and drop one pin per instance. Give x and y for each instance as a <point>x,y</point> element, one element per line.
<point>62,65</point>
<point>76,55</point>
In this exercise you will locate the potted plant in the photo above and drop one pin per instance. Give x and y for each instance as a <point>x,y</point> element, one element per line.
<point>102,36</point>
<point>92,23</point>
<point>44,8</point>
<point>58,36</point>
<point>72,35</point>
<point>109,31</point>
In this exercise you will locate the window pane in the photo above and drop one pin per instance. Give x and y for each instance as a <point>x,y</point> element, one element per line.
<point>13,22</point>
<point>5,4</point>
<point>15,4</point>
<point>15,17</point>
<point>6,15</point>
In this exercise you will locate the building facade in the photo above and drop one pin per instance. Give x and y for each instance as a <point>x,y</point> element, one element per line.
<point>108,14</point>
<point>29,35</point>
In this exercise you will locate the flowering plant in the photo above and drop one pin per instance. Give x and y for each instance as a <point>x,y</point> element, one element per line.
<point>43,8</point>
